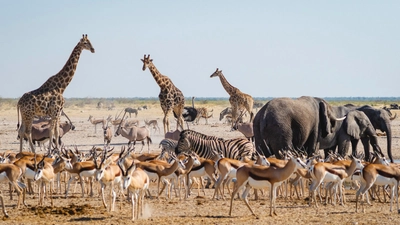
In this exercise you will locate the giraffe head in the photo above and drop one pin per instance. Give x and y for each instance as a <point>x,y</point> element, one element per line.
<point>85,43</point>
<point>217,73</point>
<point>146,61</point>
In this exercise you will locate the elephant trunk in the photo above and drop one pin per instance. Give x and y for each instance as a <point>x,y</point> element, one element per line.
<point>388,131</point>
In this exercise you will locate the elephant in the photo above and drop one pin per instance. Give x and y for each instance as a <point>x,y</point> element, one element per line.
<point>354,127</point>
<point>285,123</point>
<point>380,119</point>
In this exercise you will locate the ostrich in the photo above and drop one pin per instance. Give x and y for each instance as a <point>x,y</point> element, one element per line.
<point>189,114</point>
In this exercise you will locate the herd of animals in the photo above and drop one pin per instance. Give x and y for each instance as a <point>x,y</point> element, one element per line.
<point>281,144</point>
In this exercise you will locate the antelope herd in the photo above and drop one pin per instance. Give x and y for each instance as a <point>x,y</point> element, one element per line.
<point>189,159</point>
<point>127,173</point>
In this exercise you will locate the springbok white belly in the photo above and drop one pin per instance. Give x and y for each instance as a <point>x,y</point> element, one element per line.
<point>329,177</point>
<point>117,180</point>
<point>88,173</point>
<point>197,173</point>
<point>29,174</point>
<point>381,180</point>
<point>258,184</point>
<point>152,176</point>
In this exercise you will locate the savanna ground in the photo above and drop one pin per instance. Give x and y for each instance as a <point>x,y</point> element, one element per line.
<point>195,210</point>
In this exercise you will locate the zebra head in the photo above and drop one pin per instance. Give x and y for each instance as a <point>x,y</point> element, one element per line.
<point>183,144</point>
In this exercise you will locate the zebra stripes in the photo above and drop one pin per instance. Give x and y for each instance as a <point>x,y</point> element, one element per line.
<point>208,146</point>
<point>168,144</point>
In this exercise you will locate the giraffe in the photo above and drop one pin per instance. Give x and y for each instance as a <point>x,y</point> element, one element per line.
<point>237,99</point>
<point>171,98</point>
<point>48,99</point>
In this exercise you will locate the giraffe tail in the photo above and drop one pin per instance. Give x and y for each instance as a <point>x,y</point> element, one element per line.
<point>18,116</point>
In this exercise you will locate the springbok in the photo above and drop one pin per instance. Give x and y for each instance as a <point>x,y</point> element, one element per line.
<point>97,121</point>
<point>379,175</point>
<point>137,182</point>
<point>263,176</point>
<point>107,134</point>
<point>108,174</point>
<point>45,173</point>
<point>11,173</point>
<point>335,173</point>
<point>153,124</point>
<point>156,169</point>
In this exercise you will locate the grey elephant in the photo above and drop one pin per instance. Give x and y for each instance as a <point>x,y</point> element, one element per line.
<point>285,123</point>
<point>380,119</point>
<point>354,127</point>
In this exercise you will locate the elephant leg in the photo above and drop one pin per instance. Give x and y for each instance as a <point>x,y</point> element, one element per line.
<point>343,145</point>
<point>354,143</point>
<point>311,144</point>
<point>365,142</point>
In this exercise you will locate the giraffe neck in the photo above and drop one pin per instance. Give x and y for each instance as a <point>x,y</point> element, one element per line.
<point>158,77</point>
<point>228,87</point>
<point>61,80</point>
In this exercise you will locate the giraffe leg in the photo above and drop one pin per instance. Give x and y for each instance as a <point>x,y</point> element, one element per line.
<point>181,119</point>
<point>234,114</point>
<point>166,123</point>
<point>51,132</point>
<point>28,132</point>
<point>21,134</point>
<point>56,133</point>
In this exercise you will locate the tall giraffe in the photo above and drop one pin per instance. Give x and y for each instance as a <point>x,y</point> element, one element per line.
<point>238,99</point>
<point>171,98</point>
<point>48,99</point>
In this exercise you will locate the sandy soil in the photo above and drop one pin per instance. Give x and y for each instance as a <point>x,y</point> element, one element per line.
<point>195,210</point>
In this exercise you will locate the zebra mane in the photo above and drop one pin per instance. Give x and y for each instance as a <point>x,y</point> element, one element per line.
<point>200,135</point>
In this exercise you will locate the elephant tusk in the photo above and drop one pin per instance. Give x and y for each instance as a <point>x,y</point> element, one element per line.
<point>394,117</point>
<point>340,119</point>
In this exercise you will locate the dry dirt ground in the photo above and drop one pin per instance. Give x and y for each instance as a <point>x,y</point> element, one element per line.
<point>195,210</point>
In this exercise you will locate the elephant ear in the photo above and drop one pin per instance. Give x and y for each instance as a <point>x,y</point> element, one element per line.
<point>325,123</point>
<point>352,126</point>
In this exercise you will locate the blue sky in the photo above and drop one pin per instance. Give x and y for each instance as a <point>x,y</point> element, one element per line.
<point>264,48</point>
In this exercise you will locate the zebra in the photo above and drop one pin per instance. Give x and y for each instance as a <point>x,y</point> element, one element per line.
<point>209,146</point>
<point>168,145</point>
<point>130,111</point>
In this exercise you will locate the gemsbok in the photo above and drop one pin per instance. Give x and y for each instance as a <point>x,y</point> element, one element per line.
<point>134,134</point>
